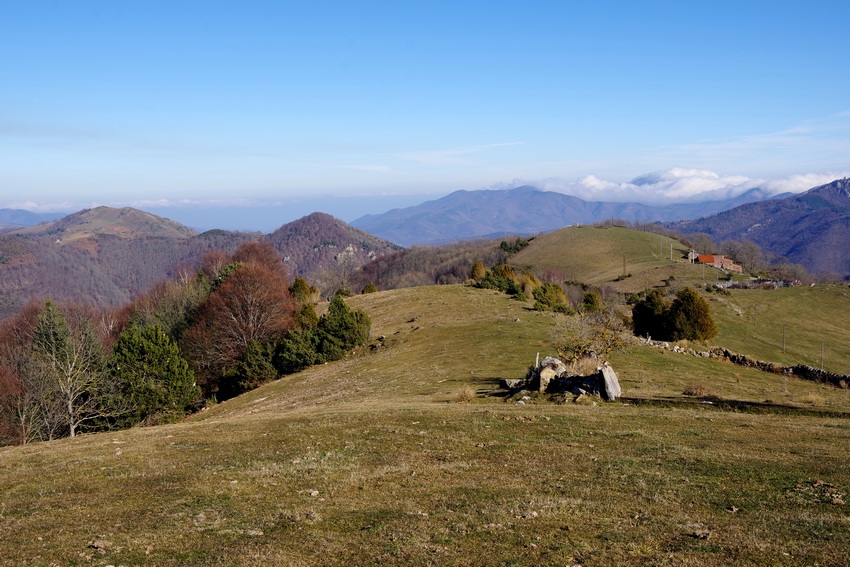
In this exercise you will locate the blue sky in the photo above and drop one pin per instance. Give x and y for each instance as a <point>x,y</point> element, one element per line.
<point>354,107</point>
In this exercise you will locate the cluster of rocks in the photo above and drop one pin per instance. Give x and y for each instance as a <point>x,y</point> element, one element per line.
<point>553,377</point>
<point>799,370</point>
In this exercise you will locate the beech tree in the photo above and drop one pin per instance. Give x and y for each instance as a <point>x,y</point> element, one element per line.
<point>21,417</point>
<point>746,253</point>
<point>702,243</point>
<point>170,305</point>
<point>252,305</point>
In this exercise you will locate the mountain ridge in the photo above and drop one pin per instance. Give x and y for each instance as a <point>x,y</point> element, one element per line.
<point>12,219</point>
<point>811,228</point>
<point>524,210</point>
<point>125,222</point>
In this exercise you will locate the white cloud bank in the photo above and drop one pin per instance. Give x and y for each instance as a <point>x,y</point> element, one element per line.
<point>679,185</point>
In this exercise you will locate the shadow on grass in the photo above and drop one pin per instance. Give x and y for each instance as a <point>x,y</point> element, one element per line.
<point>715,403</point>
<point>489,386</point>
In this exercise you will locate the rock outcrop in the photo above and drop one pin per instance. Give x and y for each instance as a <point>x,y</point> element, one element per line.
<point>552,376</point>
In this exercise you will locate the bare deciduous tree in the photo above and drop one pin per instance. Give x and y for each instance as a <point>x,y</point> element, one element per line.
<point>68,357</point>
<point>589,333</point>
<point>746,253</point>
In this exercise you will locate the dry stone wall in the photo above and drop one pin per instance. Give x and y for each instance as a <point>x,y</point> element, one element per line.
<point>800,370</point>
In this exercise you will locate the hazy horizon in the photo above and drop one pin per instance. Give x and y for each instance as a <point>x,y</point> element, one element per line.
<point>269,105</point>
<point>656,189</point>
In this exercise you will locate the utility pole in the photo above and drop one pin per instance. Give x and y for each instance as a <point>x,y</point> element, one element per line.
<point>783,338</point>
<point>671,251</point>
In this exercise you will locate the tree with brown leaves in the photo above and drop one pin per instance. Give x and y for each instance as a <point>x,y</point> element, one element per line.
<point>252,306</point>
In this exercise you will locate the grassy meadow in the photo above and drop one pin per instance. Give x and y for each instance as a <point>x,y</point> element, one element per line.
<point>594,255</point>
<point>385,458</point>
<point>754,321</point>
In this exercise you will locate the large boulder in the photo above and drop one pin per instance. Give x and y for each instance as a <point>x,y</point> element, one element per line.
<point>610,385</point>
<point>549,369</point>
<point>603,383</point>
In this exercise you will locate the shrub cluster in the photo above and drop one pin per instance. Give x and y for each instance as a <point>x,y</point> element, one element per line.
<point>318,340</point>
<point>687,317</point>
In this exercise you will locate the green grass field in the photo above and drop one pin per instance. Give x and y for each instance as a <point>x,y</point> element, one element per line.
<point>595,255</point>
<point>754,321</point>
<point>372,460</point>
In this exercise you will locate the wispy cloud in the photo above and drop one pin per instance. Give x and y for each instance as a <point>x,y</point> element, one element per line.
<point>452,156</point>
<point>218,203</point>
<point>32,206</point>
<point>821,143</point>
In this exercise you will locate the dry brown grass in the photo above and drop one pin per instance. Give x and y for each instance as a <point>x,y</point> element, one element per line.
<point>368,461</point>
<point>812,399</point>
<point>465,396</point>
<point>698,391</point>
<point>584,366</point>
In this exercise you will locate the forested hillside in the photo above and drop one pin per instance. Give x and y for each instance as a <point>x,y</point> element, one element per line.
<point>236,323</point>
<point>106,256</point>
<point>812,229</point>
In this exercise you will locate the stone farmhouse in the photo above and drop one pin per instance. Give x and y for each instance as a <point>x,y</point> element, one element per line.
<point>715,260</point>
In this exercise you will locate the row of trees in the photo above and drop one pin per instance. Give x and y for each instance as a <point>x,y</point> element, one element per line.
<point>210,334</point>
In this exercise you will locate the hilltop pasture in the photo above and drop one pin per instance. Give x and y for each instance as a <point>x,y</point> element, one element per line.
<point>378,459</point>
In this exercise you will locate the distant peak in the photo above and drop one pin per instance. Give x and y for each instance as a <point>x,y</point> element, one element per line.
<point>125,222</point>
<point>838,188</point>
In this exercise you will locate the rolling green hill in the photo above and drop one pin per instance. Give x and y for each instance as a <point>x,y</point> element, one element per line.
<point>596,255</point>
<point>372,459</point>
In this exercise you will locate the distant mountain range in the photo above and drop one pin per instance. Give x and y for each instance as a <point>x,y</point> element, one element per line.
<point>17,218</point>
<point>525,210</point>
<point>106,256</point>
<point>812,228</point>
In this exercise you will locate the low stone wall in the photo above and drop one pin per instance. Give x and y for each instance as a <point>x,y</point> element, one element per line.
<point>818,375</point>
<point>800,370</point>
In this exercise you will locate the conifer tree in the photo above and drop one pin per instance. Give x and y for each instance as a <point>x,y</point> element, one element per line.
<point>151,376</point>
<point>690,317</point>
<point>649,316</point>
